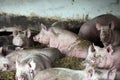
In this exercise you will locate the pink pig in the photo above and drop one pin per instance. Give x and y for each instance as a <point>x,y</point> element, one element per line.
<point>67,42</point>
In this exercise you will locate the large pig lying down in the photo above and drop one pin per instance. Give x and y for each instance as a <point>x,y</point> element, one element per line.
<point>67,42</point>
<point>29,62</point>
<point>48,53</point>
<point>68,74</point>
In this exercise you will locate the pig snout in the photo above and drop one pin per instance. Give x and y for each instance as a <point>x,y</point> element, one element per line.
<point>103,37</point>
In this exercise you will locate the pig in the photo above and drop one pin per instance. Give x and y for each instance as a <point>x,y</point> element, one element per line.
<point>69,43</point>
<point>88,30</point>
<point>89,73</point>
<point>107,57</point>
<point>49,53</point>
<point>24,39</point>
<point>100,57</point>
<point>108,34</point>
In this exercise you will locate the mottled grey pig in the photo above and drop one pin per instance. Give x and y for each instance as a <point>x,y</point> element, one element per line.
<point>88,30</point>
<point>27,67</point>
<point>51,53</point>
<point>67,42</point>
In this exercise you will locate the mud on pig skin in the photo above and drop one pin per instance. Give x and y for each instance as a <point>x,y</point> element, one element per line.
<point>67,42</point>
<point>88,30</point>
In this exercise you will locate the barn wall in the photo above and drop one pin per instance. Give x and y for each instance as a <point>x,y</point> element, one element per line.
<point>73,9</point>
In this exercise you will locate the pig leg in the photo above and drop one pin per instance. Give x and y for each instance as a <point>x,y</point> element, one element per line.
<point>111,73</point>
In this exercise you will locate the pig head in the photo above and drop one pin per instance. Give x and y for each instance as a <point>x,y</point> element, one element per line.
<point>100,57</point>
<point>108,34</point>
<point>22,39</point>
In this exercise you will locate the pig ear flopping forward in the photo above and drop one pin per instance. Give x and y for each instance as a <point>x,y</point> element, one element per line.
<point>91,48</point>
<point>43,27</point>
<point>31,64</point>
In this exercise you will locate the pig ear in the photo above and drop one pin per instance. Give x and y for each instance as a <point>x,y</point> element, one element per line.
<point>43,26</point>
<point>27,33</point>
<point>15,33</point>
<point>109,49</point>
<point>98,26</point>
<point>32,64</point>
<point>93,47</point>
<point>111,25</point>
